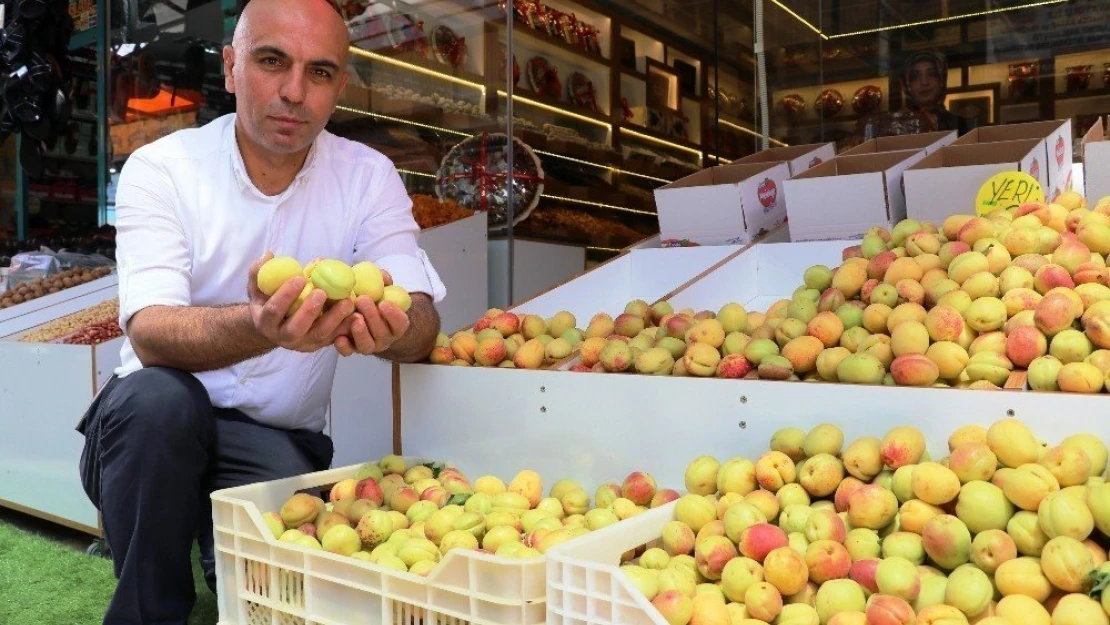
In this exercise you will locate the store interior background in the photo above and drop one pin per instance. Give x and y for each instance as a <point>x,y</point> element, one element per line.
<point>614,97</point>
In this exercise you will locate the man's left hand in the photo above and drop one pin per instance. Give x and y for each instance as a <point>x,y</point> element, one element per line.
<point>373,327</point>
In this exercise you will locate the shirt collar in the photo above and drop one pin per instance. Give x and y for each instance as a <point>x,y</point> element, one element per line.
<point>240,168</point>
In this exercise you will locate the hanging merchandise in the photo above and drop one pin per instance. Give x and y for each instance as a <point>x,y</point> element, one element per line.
<point>475,173</point>
<point>828,103</point>
<point>36,92</point>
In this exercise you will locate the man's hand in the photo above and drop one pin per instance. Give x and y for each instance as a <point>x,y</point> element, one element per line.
<point>374,328</point>
<point>307,330</point>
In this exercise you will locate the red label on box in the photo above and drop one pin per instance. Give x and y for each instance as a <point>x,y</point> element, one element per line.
<point>815,162</point>
<point>1035,169</point>
<point>768,193</point>
<point>1059,151</point>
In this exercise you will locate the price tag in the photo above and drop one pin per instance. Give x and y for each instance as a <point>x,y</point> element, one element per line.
<point>1009,189</point>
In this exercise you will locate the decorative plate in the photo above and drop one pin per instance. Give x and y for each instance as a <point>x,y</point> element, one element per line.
<point>405,33</point>
<point>828,103</point>
<point>581,92</point>
<point>793,107</point>
<point>475,173</point>
<point>543,77</point>
<point>450,49</point>
<point>1078,78</point>
<point>867,99</point>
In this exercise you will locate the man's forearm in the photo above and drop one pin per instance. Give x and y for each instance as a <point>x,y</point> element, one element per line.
<point>418,341</point>
<point>195,339</point>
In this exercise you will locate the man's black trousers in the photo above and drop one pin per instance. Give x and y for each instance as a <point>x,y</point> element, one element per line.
<point>155,449</point>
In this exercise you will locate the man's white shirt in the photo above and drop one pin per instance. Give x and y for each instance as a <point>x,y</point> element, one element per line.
<point>190,222</point>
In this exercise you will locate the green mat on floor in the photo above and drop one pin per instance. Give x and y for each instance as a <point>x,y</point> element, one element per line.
<point>47,583</point>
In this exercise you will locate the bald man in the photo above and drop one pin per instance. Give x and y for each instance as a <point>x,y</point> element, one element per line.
<point>217,388</point>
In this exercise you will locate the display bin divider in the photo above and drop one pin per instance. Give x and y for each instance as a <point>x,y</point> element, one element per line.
<point>589,426</point>
<point>23,317</point>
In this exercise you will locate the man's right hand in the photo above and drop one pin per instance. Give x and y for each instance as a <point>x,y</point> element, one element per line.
<point>307,330</point>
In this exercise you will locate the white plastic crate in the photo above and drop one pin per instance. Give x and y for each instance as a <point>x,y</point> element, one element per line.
<point>585,584</point>
<point>266,582</point>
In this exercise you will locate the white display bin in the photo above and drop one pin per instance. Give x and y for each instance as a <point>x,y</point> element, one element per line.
<point>590,425</point>
<point>585,585</point>
<point>361,410</point>
<point>761,276</point>
<point>264,581</point>
<point>648,274</point>
<point>44,390</point>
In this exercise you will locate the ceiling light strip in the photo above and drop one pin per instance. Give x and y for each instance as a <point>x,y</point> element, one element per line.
<point>602,249</point>
<point>599,204</point>
<point>416,68</point>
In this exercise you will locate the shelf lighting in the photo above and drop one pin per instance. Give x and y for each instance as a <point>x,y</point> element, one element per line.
<point>464,134</point>
<point>602,249</point>
<point>589,203</point>
<point>725,122</point>
<point>939,20</point>
<point>410,172</point>
<point>555,109</point>
<point>664,142</point>
<point>550,197</point>
<point>801,19</point>
<point>416,68</point>
<point>348,109</point>
<point>616,170</point>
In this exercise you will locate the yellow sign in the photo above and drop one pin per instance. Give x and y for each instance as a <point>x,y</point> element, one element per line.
<point>1009,189</point>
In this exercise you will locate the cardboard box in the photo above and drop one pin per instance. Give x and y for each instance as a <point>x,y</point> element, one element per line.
<point>726,205</point>
<point>1054,169</point>
<point>947,181</point>
<point>1096,163</point>
<point>845,197</point>
<point>798,157</point>
<point>928,141</point>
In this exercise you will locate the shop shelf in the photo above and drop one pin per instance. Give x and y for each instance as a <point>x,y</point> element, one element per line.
<point>550,45</point>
